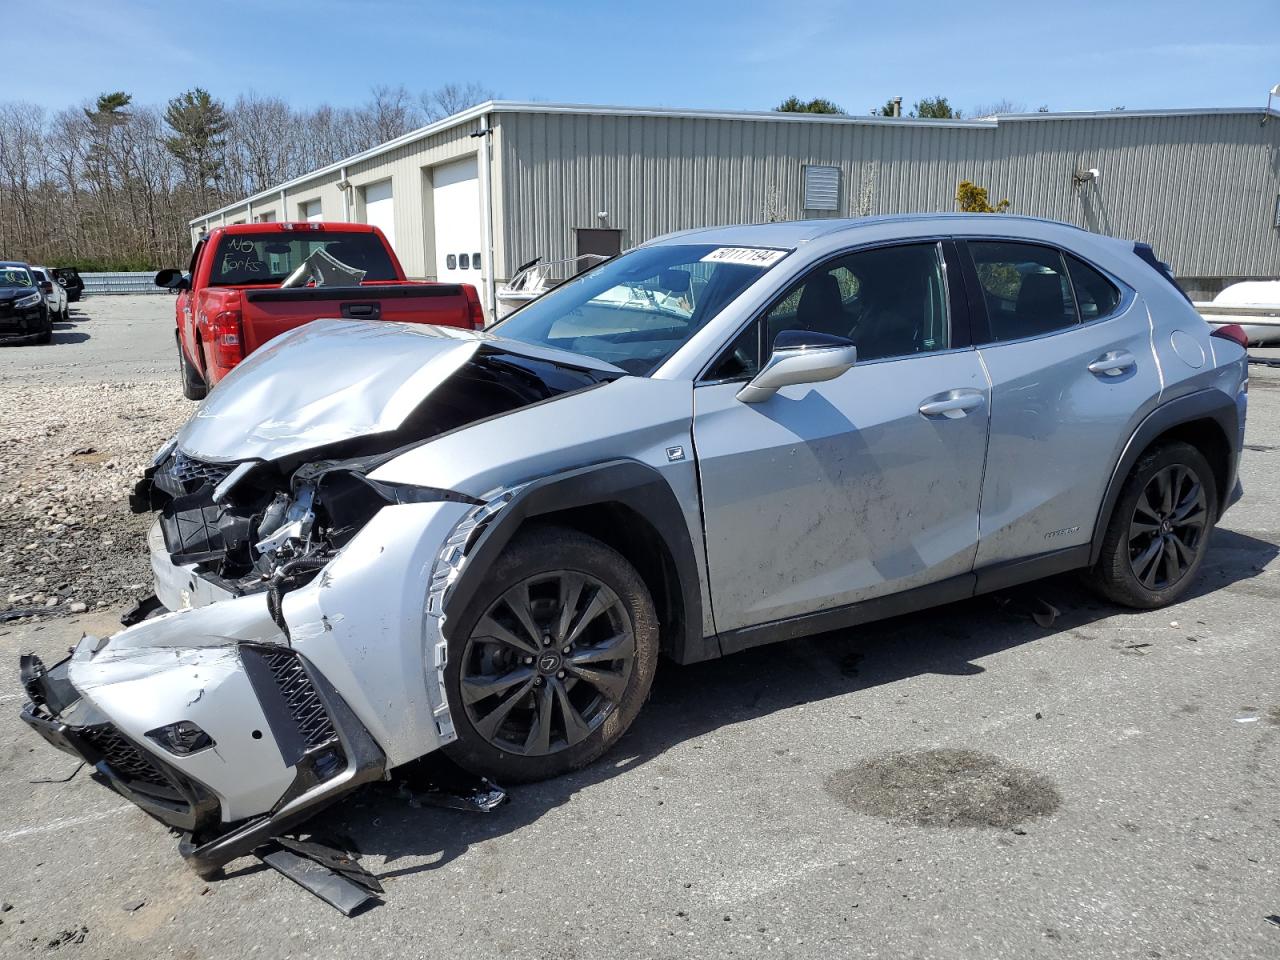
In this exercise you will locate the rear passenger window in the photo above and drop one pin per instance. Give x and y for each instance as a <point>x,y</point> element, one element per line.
<point>1026,287</point>
<point>1096,296</point>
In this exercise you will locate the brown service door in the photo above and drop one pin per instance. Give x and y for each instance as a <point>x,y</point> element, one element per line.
<point>607,242</point>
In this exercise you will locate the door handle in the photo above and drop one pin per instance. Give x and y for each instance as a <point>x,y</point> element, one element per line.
<point>1113,363</point>
<point>952,405</point>
<point>361,311</point>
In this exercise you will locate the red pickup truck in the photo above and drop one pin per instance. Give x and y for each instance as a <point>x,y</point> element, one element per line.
<point>249,282</point>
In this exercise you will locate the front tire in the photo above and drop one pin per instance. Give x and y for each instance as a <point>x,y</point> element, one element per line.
<point>1159,530</point>
<point>554,660</point>
<point>46,335</point>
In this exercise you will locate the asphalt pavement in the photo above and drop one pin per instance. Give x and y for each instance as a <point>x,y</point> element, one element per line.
<point>963,782</point>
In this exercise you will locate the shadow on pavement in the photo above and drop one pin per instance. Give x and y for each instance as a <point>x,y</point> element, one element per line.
<point>62,334</point>
<point>688,702</point>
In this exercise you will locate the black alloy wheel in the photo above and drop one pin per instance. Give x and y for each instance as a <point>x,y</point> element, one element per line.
<point>1168,527</point>
<point>547,663</point>
<point>1158,532</point>
<point>552,659</point>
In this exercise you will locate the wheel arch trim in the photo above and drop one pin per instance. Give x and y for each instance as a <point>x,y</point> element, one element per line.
<point>628,483</point>
<point>1209,404</point>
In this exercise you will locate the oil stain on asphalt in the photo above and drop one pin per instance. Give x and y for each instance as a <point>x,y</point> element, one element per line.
<point>945,788</point>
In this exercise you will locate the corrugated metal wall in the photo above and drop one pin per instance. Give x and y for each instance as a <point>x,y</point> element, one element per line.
<point>1202,188</point>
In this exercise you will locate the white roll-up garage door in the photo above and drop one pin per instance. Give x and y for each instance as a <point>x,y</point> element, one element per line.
<point>311,211</point>
<point>456,195</point>
<point>379,210</point>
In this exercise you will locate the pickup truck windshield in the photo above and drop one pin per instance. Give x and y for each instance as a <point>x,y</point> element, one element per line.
<point>636,310</point>
<point>15,277</point>
<point>270,257</point>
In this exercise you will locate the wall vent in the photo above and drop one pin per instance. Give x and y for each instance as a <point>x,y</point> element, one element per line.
<point>821,187</point>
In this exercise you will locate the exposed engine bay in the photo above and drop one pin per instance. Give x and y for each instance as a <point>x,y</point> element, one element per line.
<point>270,526</point>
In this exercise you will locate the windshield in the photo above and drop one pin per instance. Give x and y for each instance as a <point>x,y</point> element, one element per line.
<point>271,257</point>
<point>636,310</point>
<point>15,277</point>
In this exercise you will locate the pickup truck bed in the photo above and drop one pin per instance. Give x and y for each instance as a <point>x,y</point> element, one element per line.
<point>270,312</point>
<point>231,301</point>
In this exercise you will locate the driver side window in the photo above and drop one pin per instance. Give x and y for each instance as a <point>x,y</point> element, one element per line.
<point>890,301</point>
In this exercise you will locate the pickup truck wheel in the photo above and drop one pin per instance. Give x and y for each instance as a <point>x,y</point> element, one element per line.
<point>556,663</point>
<point>193,385</point>
<point>1159,531</point>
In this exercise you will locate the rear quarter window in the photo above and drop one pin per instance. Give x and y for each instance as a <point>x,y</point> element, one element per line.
<point>1096,296</point>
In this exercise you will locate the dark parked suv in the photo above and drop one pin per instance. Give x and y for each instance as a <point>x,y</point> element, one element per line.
<point>24,312</point>
<point>69,277</point>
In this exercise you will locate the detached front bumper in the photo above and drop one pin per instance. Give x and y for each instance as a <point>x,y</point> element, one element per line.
<point>347,684</point>
<point>284,743</point>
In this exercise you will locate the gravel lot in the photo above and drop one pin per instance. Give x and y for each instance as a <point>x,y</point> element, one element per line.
<point>79,419</point>
<point>957,783</point>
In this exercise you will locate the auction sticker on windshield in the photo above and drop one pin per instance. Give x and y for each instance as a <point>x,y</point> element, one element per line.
<point>751,256</point>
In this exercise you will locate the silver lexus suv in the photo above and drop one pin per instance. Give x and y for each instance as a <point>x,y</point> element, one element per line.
<point>377,540</point>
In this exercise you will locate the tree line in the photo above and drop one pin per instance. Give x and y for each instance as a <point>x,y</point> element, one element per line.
<point>111,185</point>
<point>926,108</point>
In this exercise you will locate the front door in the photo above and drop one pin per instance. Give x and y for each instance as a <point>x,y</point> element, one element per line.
<point>829,494</point>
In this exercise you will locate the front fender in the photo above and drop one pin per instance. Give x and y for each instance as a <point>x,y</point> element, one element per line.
<point>629,483</point>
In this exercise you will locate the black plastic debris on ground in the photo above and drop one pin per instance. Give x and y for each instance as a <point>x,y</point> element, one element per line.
<point>1041,611</point>
<point>435,781</point>
<point>331,869</point>
<point>333,874</point>
<point>67,936</point>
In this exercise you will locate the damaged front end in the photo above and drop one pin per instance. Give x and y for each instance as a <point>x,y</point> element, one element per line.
<point>294,649</point>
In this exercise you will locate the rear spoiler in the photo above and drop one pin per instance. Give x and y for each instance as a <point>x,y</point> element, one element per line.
<point>1145,253</point>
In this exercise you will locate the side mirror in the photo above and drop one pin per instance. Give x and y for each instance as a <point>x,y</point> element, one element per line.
<point>172,280</point>
<point>46,286</point>
<point>800,356</point>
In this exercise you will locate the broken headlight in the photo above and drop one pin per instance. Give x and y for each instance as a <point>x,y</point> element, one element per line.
<point>181,738</point>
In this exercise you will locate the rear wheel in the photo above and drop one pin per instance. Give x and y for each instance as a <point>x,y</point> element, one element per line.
<point>556,663</point>
<point>193,385</point>
<point>1159,530</point>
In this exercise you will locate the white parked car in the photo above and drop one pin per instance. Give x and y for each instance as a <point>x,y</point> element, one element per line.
<point>55,294</point>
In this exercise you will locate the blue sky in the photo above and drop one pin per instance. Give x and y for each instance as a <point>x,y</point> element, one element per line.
<point>1075,55</point>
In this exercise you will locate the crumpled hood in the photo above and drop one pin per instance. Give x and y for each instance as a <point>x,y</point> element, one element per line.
<point>334,380</point>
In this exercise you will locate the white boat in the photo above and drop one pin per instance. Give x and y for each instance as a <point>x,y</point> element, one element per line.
<point>1253,304</point>
<point>536,278</point>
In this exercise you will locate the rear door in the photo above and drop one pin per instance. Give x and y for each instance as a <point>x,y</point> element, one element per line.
<point>1068,350</point>
<point>832,493</point>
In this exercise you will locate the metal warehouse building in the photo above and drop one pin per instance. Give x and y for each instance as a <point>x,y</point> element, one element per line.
<point>475,195</point>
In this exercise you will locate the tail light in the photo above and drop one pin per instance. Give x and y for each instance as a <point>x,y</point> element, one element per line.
<point>228,340</point>
<point>474,309</point>
<point>1233,332</point>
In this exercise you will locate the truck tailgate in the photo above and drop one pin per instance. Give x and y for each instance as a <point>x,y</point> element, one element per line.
<point>271,311</point>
